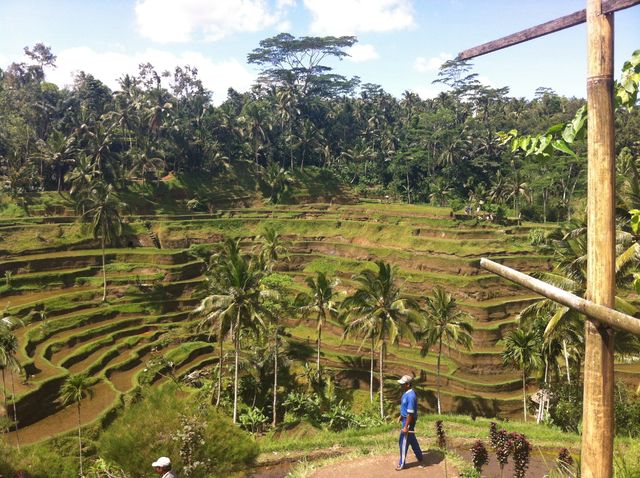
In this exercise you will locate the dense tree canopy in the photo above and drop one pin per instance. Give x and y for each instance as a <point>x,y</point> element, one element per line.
<point>444,150</point>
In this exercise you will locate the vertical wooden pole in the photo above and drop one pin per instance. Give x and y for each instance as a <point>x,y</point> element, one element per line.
<point>597,414</point>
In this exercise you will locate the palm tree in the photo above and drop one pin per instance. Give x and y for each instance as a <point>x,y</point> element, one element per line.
<point>444,324</point>
<point>147,162</point>
<point>102,209</point>
<point>566,325</point>
<point>235,301</point>
<point>378,298</point>
<point>58,152</point>
<point>517,188</point>
<point>523,352</point>
<point>273,247</point>
<point>82,175</point>
<point>278,181</point>
<point>319,300</point>
<point>8,361</point>
<point>364,326</point>
<point>75,388</point>
<point>208,309</point>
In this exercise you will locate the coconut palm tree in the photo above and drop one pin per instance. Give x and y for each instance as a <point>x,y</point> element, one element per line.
<point>278,181</point>
<point>8,361</point>
<point>321,301</point>
<point>75,388</point>
<point>565,325</point>
<point>522,350</point>
<point>235,301</point>
<point>58,153</point>
<point>272,247</point>
<point>365,327</point>
<point>208,308</point>
<point>102,209</point>
<point>445,324</point>
<point>378,298</point>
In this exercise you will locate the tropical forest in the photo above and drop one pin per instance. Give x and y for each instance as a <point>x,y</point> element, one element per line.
<point>239,286</point>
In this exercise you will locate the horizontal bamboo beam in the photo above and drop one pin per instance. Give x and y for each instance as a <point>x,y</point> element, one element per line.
<point>567,21</point>
<point>603,314</point>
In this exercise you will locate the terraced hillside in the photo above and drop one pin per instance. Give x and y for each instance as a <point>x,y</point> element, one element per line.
<point>53,286</point>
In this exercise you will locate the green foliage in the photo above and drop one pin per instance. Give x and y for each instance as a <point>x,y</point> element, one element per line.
<point>38,461</point>
<point>162,414</point>
<point>252,419</point>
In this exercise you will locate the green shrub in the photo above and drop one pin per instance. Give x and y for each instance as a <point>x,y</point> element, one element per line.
<point>155,426</point>
<point>38,461</point>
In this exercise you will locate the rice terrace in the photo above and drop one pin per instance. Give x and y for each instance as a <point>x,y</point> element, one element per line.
<point>201,277</point>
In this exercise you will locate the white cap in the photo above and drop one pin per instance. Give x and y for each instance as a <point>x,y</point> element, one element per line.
<point>405,379</point>
<point>161,462</point>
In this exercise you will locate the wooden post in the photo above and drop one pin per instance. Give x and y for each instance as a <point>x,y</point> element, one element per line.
<point>597,413</point>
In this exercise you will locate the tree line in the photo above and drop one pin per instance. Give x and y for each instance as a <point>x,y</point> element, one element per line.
<point>443,150</point>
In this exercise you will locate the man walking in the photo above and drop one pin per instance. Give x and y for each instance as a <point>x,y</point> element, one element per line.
<point>408,417</point>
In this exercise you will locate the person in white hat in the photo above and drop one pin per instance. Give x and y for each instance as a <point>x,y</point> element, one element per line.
<point>162,466</point>
<point>408,417</point>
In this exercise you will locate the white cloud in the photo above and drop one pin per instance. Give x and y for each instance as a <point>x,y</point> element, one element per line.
<point>166,21</point>
<point>348,17</point>
<point>423,64</point>
<point>108,66</point>
<point>426,92</point>
<point>362,52</point>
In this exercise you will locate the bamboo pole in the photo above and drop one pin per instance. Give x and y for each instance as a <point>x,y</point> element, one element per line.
<point>601,313</point>
<point>597,411</point>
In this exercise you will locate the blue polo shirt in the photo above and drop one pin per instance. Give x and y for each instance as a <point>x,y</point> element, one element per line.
<point>409,404</point>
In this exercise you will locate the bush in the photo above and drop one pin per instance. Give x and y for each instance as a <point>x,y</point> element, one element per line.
<point>302,406</point>
<point>339,416</point>
<point>38,461</point>
<point>479,456</point>
<point>158,425</point>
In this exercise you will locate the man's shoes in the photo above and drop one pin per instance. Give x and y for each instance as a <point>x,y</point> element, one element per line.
<point>399,467</point>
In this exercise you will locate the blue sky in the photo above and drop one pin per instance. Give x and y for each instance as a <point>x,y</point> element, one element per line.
<point>401,42</point>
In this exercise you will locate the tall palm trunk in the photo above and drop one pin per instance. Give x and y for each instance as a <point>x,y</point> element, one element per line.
<point>319,343</point>
<point>524,394</point>
<point>566,360</point>
<point>236,339</point>
<point>275,379</point>
<point>80,440</point>
<point>104,269</point>
<point>371,372</point>
<point>15,413</point>
<point>382,346</point>
<point>220,360</point>
<point>438,374</point>
<point>4,392</point>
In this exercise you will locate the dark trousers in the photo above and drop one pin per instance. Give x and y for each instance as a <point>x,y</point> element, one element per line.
<point>407,439</point>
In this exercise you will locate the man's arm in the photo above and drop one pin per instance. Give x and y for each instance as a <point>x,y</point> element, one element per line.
<point>407,424</point>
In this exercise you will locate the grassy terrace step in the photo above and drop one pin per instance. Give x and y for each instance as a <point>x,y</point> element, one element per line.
<point>429,245</point>
<point>91,257</point>
<point>405,358</point>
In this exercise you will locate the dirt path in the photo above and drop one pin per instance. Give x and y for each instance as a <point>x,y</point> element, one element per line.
<point>384,466</point>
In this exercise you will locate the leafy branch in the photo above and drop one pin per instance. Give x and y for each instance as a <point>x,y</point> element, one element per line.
<point>561,136</point>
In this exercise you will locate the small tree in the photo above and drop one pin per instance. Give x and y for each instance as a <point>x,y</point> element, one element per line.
<point>74,389</point>
<point>479,456</point>
<point>521,454</point>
